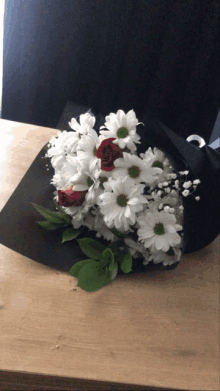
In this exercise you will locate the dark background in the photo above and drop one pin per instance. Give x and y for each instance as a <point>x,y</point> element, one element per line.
<point>106,55</point>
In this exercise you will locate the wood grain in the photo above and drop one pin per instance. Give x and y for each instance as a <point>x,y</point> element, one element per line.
<point>156,329</point>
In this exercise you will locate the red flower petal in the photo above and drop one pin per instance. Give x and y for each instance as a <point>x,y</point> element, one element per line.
<point>108,152</point>
<point>69,197</point>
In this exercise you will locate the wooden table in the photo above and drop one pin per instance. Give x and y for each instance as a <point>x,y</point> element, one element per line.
<point>158,329</point>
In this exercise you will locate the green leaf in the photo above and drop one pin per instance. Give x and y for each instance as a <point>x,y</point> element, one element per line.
<point>125,261</point>
<point>119,234</point>
<point>70,234</point>
<point>53,217</point>
<point>91,277</point>
<point>115,246</point>
<point>112,271</point>
<point>49,225</point>
<point>107,258</point>
<point>75,269</point>
<point>92,248</point>
<point>63,215</point>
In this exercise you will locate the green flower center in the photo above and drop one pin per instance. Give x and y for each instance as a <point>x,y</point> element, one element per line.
<point>170,252</point>
<point>89,181</point>
<point>134,171</point>
<point>102,179</point>
<point>94,151</point>
<point>122,132</point>
<point>158,164</point>
<point>159,229</point>
<point>122,200</point>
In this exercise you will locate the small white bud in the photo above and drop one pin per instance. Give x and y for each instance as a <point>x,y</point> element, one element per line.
<point>165,183</point>
<point>183,172</point>
<point>159,193</point>
<point>187,184</point>
<point>176,184</point>
<point>167,190</point>
<point>185,193</point>
<point>197,198</point>
<point>196,181</point>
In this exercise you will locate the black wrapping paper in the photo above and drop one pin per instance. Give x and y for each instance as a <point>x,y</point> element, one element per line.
<point>201,218</point>
<point>20,232</point>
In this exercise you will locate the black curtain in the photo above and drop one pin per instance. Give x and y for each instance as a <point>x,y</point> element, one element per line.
<point>144,54</point>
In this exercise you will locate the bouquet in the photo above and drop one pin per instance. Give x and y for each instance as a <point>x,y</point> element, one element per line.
<point>128,203</point>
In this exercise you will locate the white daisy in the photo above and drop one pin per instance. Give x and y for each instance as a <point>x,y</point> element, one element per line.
<point>89,221</point>
<point>120,202</point>
<point>85,180</point>
<point>86,122</point>
<point>77,219</point>
<point>65,143</point>
<point>156,157</point>
<point>173,255</point>
<point>135,168</point>
<point>158,229</point>
<point>62,177</point>
<point>102,229</point>
<point>87,148</point>
<point>136,248</point>
<point>122,127</point>
<point>94,221</point>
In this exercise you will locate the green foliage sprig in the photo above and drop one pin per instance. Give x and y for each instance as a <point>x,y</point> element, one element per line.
<point>102,263</point>
<point>102,266</point>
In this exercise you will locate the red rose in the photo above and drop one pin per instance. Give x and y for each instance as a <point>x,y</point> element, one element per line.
<point>69,197</point>
<point>108,153</point>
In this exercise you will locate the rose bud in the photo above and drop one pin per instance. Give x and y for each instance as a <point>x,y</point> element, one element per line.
<point>69,197</point>
<point>108,152</point>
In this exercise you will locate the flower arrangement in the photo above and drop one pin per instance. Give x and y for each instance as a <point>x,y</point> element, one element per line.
<point>132,201</point>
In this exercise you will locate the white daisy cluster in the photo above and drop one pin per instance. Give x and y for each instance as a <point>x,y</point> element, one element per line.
<point>104,185</point>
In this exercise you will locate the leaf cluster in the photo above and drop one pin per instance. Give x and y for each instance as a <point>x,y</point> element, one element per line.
<point>55,220</point>
<point>102,265</point>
